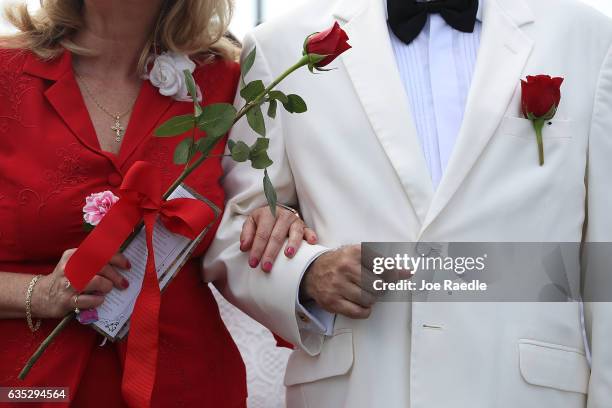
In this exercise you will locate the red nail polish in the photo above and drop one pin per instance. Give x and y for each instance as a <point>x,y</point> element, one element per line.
<point>253,262</point>
<point>129,265</point>
<point>267,267</point>
<point>290,251</point>
<point>125,284</point>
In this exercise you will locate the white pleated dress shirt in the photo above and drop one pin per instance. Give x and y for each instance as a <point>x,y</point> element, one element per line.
<point>436,70</point>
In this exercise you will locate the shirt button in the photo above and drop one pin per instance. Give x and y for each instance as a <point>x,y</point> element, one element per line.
<point>115,179</point>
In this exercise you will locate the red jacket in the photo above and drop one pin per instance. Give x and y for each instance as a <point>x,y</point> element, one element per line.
<point>50,161</point>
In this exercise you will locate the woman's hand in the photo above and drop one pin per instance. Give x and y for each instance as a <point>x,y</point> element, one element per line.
<point>53,297</point>
<point>263,235</point>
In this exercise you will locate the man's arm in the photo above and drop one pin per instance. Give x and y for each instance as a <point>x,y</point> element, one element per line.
<point>269,298</point>
<point>598,271</point>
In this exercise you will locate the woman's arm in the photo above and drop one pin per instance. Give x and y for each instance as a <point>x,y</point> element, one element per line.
<point>13,287</point>
<point>52,296</point>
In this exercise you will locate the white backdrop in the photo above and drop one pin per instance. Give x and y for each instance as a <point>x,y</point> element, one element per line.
<point>265,362</point>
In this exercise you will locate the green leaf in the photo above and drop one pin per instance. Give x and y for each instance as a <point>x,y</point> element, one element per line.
<point>176,126</point>
<point>206,144</point>
<point>231,144</point>
<point>298,105</point>
<point>259,154</point>
<point>248,62</point>
<point>183,151</point>
<point>217,119</point>
<point>295,104</point>
<point>261,161</point>
<point>279,96</point>
<point>256,120</point>
<point>272,108</point>
<point>252,90</point>
<point>260,145</point>
<point>240,151</point>
<point>270,192</point>
<point>193,92</point>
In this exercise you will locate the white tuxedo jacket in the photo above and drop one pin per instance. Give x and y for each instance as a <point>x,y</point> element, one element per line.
<point>354,164</point>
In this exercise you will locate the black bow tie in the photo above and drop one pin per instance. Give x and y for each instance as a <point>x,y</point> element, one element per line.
<point>408,17</point>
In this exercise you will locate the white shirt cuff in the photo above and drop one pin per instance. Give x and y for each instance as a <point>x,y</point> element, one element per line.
<point>310,316</point>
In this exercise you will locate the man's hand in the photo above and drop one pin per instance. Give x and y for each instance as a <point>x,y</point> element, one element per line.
<point>338,284</point>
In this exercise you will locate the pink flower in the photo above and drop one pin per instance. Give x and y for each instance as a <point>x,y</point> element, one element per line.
<point>97,205</point>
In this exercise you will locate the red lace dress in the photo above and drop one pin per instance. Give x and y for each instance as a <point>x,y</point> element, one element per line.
<point>50,160</point>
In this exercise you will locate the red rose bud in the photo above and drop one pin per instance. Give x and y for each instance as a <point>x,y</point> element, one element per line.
<point>539,102</point>
<point>328,44</point>
<point>541,96</point>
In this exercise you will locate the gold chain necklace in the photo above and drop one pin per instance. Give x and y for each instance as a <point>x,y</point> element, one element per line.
<point>117,127</point>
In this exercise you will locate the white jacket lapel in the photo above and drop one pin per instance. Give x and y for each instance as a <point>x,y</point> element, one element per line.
<point>372,68</point>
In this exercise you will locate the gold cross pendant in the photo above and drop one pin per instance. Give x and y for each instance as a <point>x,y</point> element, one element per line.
<point>118,129</point>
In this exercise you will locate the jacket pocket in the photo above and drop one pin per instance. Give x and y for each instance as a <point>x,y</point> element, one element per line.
<point>523,128</point>
<point>336,358</point>
<point>554,366</point>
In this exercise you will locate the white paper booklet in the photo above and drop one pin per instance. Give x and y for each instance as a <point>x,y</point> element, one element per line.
<point>171,253</point>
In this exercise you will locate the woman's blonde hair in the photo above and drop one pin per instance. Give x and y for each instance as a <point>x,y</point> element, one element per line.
<point>193,27</point>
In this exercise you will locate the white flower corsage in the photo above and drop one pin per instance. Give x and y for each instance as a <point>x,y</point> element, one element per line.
<point>167,75</point>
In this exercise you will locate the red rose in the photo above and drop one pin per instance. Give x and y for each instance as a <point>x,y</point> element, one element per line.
<point>329,43</point>
<point>539,102</point>
<point>541,96</point>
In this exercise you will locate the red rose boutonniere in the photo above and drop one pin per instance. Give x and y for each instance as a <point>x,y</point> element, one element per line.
<point>540,100</point>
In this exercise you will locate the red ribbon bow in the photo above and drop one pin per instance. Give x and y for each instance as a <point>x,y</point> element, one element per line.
<point>140,199</point>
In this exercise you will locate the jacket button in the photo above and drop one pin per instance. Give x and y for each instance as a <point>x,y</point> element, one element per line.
<point>115,179</point>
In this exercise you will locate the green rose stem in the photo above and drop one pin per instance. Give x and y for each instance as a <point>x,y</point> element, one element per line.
<point>43,346</point>
<point>538,125</point>
<point>242,112</point>
<point>305,60</point>
<point>189,168</point>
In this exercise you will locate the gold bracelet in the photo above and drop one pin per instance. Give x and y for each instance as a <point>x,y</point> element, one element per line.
<point>28,305</point>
